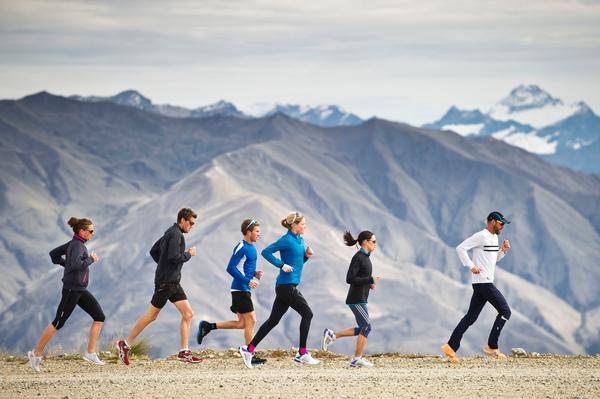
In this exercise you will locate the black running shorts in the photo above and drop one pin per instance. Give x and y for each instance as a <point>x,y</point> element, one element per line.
<point>167,292</point>
<point>241,302</point>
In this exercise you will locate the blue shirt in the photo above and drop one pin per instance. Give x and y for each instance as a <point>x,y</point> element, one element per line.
<point>291,251</point>
<point>241,280</point>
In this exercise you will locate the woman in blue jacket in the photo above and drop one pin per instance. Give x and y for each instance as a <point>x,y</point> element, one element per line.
<point>73,256</point>
<point>292,254</point>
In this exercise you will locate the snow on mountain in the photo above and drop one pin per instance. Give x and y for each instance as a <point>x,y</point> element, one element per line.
<point>321,115</point>
<point>532,119</point>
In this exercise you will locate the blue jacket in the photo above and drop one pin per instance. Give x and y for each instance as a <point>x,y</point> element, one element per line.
<point>241,280</point>
<point>291,250</point>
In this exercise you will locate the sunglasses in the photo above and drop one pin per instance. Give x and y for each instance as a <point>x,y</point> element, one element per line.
<point>373,241</point>
<point>90,231</point>
<point>191,223</point>
<point>500,223</point>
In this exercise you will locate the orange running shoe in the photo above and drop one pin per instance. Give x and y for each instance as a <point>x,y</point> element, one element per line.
<point>494,353</point>
<point>450,354</point>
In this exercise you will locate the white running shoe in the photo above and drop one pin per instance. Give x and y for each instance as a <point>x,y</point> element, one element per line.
<point>246,356</point>
<point>93,358</point>
<point>328,338</point>
<point>306,359</point>
<point>360,362</point>
<point>34,361</point>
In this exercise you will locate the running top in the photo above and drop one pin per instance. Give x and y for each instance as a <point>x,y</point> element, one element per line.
<point>76,262</point>
<point>360,278</point>
<point>291,250</point>
<point>170,254</point>
<point>241,280</point>
<point>486,253</point>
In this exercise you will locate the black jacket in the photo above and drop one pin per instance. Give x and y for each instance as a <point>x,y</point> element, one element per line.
<point>73,256</point>
<point>170,254</point>
<point>359,277</point>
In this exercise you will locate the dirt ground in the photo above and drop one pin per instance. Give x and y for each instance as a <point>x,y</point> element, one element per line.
<point>223,375</point>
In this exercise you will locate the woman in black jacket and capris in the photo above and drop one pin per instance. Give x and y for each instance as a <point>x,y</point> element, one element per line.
<point>361,280</point>
<point>74,257</point>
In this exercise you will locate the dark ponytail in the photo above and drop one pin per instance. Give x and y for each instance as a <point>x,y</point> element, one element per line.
<point>79,224</point>
<point>362,236</point>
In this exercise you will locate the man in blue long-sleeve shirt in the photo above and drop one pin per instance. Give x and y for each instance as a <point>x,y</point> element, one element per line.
<point>170,254</point>
<point>243,282</point>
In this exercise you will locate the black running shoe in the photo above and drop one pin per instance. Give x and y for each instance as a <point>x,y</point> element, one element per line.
<point>257,360</point>
<point>203,329</point>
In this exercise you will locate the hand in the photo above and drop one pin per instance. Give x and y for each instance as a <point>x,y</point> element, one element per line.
<point>258,274</point>
<point>375,281</point>
<point>505,246</point>
<point>192,251</point>
<point>287,268</point>
<point>309,252</point>
<point>475,270</point>
<point>253,283</point>
<point>94,257</point>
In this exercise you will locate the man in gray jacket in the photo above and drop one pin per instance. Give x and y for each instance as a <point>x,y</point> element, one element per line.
<point>170,254</point>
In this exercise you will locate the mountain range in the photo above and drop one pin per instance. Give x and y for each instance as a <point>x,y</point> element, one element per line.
<point>322,115</point>
<point>530,118</point>
<point>421,191</point>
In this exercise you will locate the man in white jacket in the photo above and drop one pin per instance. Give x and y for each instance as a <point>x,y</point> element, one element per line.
<point>486,253</point>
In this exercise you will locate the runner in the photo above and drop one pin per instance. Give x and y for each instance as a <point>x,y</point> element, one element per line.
<point>169,253</point>
<point>361,280</point>
<point>293,255</point>
<point>241,297</point>
<point>73,256</point>
<point>485,255</point>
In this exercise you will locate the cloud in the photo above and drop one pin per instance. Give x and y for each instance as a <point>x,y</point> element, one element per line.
<point>278,48</point>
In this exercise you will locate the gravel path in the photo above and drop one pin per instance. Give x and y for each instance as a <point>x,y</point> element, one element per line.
<point>223,375</point>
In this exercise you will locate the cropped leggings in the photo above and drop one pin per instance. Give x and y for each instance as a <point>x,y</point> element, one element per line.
<point>70,299</point>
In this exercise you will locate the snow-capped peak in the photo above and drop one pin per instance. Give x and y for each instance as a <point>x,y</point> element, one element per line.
<point>528,104</point>
<point>525,97</point>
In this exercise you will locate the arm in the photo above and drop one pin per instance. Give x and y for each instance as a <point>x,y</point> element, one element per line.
<point>56,255</point>
<point>155,251</point>
<point>174,254</point>
<point>476,240</point>
<point>503,250</point>
<point>232,269</point>
<point>267,253</point>
<point>352,276</point>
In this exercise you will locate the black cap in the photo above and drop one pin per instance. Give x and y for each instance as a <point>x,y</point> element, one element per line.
<point>497,216</point>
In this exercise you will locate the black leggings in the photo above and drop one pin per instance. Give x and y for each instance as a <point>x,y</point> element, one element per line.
<point>482,293</point>
<point>286,296</point>
<point>70,298</point>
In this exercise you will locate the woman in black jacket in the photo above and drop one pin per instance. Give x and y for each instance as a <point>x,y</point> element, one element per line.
<point>73,256</point>
<point>361,280</point>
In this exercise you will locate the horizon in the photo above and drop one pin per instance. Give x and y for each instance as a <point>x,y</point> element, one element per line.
<point>259,110</point>
<point>403,61</point>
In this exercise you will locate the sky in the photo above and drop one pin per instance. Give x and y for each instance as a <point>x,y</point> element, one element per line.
<point>400,60</point>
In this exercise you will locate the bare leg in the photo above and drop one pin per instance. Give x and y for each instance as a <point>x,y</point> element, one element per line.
<point>142,323</point>
<point>361,341</point>
<point>94,332</point>
<point>47,335</point>
<point>187,314</point>
<point>249,323</point>
<point>231,324</point>
<point>348,332</point>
